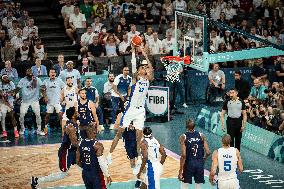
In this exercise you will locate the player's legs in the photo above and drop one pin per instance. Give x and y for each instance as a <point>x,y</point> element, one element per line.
<point>4,110</point>
<point>153,174</point>
<point>231,131</point>
<point>138,123</point>
<point>116,139</point>
<point>23,110</point>
<point>229,184</point>
<point>36,109</point>
<point>14,121</point>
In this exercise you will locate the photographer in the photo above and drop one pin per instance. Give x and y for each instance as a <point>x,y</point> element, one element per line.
<point>272,119</point>
<point>273,95</point>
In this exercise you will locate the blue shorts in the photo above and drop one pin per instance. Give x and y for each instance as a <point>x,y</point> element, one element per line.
<point>194,168</point>
<point>93,180</point>
<point>66,157</point>
<point>131,149</point>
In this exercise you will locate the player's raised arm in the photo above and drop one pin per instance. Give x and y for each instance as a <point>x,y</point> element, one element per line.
<point>182,157</point>
<point>240,161</point>
<point>149,69</point>
<point>213,167</point>
<point>144,153</point>
<point>206,147</point>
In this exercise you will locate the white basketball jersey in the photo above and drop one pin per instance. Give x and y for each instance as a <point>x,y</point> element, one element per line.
<point>153,149</point>
<point>227,163</point>
<point>70,97</point>
<point>139,92</point>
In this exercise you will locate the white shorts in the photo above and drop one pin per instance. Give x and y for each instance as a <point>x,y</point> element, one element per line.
<point>50,108</point>
<point>229,184</point>
<point>4,109</point>
<point>34,105</point>
<point>137,115</point>
<point>153,174</point>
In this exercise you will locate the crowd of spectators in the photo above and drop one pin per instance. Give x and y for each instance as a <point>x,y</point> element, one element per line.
<point>103,28</point>
<point>19,39</point>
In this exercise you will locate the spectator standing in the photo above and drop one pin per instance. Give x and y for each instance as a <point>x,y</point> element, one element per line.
<point>86,67</point>
<point>9,71</point>
<point>24,53</point>
<point>217,81</point>
<point>51,90</point>
<point>125,6</point>
<point>95,49</point>
<point>27,30</point>
<point>236,120</point>
<point>69,72</point>
<point>241,85</point>
<point>279,68</point>
<point>155,10</point>
<point>30,89</point>
<point>7,104</point>
<point>257,91</point>
<point>8,52</point>
<point>114,10</point>
<point>120,88</point>
<point>17,40</point>
<point>93,95</point>
<point>169,8</point>
<point>60,66</point>
<point>38,69</point>
<point>76,21</point>
<point>66,11</point>
<point>7,21</point>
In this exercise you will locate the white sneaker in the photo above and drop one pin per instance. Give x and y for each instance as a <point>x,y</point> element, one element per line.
<point>41,133</point>
<point>22,132</point>
<point>101,127</point>
<point>184,105</point>
<point>111,126</point>
<point>109,159</point>
<point>74,43</point>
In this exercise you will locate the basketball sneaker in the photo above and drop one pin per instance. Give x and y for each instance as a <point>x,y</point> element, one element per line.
<point>39,132</point>
<point>138,184</point>
<point>16,133</point>
<point>4,134</point>
<point>34,182</point>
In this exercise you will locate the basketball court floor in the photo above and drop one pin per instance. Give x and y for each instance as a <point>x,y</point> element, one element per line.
<point>34,155</point>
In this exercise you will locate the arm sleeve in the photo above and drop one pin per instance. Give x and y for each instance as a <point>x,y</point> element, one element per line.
<point>103,164</point>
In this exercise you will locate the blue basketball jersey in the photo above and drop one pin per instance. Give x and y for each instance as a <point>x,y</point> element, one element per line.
<point>85,115</point>
<point>194,145</point>
<point>66,142</point>
<point>88,156</point>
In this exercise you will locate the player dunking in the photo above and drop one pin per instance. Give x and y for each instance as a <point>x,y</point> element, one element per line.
<point>135,104</point>
<point>86,113</point>
<point>227,159</point>
<point>193,144</point>
<point>66,152</point>
<point>68,99</point>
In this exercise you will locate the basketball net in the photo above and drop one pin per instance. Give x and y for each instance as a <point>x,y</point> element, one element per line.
<point>173,66</point>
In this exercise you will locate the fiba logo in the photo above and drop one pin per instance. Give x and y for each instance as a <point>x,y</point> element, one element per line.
<point>276,151</point>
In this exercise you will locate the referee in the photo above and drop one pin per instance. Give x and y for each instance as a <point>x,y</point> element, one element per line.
<point>237,118</point>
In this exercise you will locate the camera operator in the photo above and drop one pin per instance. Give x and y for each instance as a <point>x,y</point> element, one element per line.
<point>272,119</point>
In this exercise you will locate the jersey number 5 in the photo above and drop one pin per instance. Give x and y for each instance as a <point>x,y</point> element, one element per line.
<point>227,165</point>
<point>194,149</point>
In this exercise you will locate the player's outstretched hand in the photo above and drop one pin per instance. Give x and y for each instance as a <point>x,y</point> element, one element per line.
<point>109,180</point>
<point>211,180</point>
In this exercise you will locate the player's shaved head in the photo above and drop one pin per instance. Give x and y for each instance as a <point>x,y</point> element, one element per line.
<point>147,132</point>
<point>190,124</point>
<point>70,112</point>
<point>226,140</point>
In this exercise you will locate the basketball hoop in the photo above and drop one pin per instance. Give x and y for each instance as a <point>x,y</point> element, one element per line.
<point>173,65</point>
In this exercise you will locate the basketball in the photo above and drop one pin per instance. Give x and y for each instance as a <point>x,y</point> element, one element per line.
<point>136,41</point>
